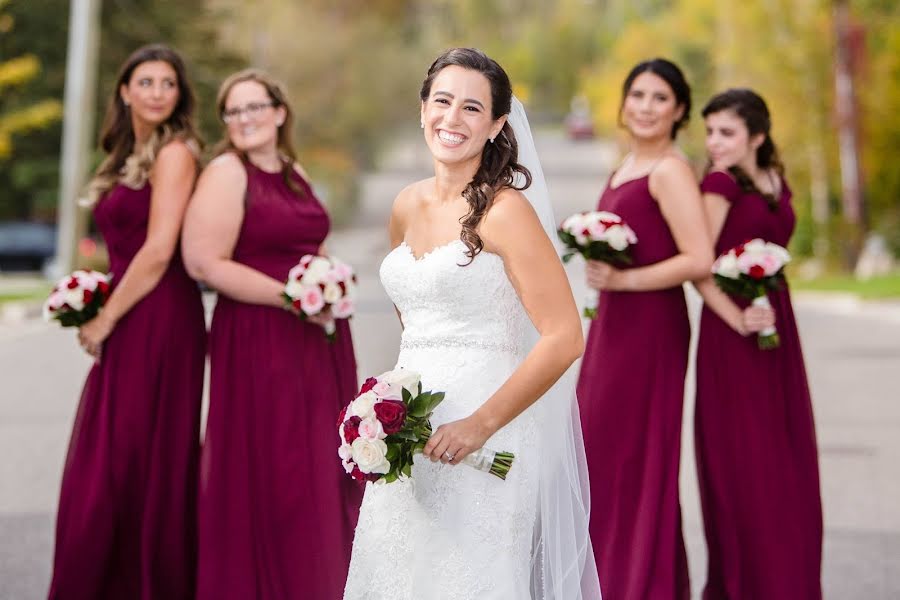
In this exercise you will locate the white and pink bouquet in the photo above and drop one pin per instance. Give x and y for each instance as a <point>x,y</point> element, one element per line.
<point>389,422</point>
<point>318,284</point>
<point>597,235</point>
<point>77,298</point>
<point>750,271</point>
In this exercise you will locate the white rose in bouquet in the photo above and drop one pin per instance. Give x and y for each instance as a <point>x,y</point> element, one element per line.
<point>364,405</point>
<point>370,455</point>
<point>408,380</point>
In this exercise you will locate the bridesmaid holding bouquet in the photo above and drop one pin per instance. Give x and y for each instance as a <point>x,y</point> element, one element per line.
<point>755,437</point>
<point>277,510</point>
<point>631,387</point>
<point>126,526</point>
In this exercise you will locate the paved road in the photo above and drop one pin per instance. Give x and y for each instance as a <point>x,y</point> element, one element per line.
<point>852,351</point>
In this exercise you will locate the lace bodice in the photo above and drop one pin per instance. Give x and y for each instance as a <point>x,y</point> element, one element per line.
<point>444,303</point>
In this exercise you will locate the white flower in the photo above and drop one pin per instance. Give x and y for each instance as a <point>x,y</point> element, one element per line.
<point>371,429</point>
<point>348,465</point>
<point>617,237</point>
<point>727,266</point>
<point>364,406</point>
<point>370,455</point>
<point>332,293</point>
<point>345,451</point>
<point>409,380</point>
<point>602,215</point>
<point>74,298</point>
<point>316,271</point>
<point>294,288</point>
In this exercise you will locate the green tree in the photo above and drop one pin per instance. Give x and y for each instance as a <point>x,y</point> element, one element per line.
<point>30,110</point>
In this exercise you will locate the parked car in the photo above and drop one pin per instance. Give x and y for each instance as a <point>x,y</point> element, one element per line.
<point>26,246</point>
<point>31,246</point>
<point>579,125</point>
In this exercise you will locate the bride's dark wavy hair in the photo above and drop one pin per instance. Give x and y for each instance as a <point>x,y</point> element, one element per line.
<point>499,168</point>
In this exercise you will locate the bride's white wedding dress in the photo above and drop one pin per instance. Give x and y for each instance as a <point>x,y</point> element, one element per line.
<point>451,532</point>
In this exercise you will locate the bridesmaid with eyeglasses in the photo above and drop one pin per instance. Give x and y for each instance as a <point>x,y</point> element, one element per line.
<point>277,510</point>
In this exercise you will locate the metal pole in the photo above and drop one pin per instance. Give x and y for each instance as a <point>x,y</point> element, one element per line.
<point>78,124</point>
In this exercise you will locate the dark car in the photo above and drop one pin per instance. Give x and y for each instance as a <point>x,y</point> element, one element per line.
<point>26,246</point>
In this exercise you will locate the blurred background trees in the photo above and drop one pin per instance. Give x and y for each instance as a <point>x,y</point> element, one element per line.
<point>353,69</point>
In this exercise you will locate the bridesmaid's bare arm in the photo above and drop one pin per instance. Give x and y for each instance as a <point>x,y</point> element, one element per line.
<point>512,230</point>
<point>211,230</point>
<point>744,321</point>
<point>674,187</point>
<point>172,179</point>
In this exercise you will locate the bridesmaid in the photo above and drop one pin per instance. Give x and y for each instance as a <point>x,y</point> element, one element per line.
<point>631,386</point>
<point>277,510</point>
<point>755,438</point>
<point>126,526</point>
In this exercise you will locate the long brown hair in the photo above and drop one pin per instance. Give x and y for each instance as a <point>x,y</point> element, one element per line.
<point>752,110</point>
<point>499,167</point>
<point>117,134</point>
<point>278,97</point>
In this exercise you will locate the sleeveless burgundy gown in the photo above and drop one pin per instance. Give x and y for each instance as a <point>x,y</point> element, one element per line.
<point>630,393</point>
<point>126,526</point>
<point>277,510</point>
<point>755,437</point>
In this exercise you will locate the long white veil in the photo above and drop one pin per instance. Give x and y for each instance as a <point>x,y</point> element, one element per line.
<point>563,566</point>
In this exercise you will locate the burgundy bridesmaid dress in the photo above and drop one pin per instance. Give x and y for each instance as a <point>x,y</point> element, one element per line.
<point>277,510</point>
<point>630,394</point>
<point>126,526</point>
<point>755,436</point>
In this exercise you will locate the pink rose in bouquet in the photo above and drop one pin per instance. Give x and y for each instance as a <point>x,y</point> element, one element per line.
<point>597,235</point>
<point>389,422</point>
<point>318,284</point>
<point>750,271</point>
<point>77,298</point>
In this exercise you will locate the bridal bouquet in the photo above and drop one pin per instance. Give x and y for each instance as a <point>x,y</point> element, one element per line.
<point>750,271</point>
<point>389,422</point>
<point>597,235</point>
<point>77,298</point>
<point>319,283</point>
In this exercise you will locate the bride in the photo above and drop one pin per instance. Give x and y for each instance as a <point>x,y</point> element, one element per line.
<point>489,319</point>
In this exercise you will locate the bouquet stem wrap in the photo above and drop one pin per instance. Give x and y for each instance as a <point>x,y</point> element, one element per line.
<point>767,338</point>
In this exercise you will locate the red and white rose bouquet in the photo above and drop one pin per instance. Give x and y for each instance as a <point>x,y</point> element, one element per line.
<point>597,235</point>
<point>389,422</point>
<point>750,271</point>
<point>319,283</point>
<point>77,298</point>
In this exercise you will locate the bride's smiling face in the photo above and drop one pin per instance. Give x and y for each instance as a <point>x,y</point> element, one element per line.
<point>457,116</point>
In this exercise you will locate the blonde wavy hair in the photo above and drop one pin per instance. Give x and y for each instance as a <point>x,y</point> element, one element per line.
<point>122,164</point>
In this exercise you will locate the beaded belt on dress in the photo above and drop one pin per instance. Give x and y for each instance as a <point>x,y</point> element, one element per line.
<point>457,342</point>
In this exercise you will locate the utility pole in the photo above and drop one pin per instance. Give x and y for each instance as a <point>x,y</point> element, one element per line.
<point>78,125</point>
<point>848,132</point>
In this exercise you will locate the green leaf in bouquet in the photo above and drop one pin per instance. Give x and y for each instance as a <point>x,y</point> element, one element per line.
<point>404,393</point>
<point>393,453</point>
<point>567,256</point>
<point>405,434</point>
<point>407,469</point>
<point>434,399</point>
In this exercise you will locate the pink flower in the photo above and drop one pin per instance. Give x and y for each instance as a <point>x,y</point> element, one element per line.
<point>312,300</point>
<point>343,308</point>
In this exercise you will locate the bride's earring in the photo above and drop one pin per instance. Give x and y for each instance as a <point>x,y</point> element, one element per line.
<point>422,124</point>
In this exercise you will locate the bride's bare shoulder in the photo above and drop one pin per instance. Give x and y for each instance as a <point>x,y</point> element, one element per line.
<point>405,205</point>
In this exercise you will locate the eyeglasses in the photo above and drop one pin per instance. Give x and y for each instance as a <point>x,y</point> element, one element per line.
<point>252,110</point>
